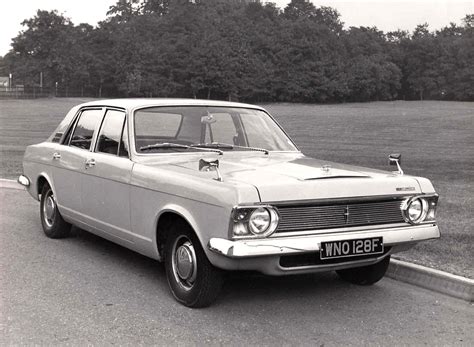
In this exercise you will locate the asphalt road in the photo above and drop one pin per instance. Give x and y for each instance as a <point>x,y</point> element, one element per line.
<point>85,290</point>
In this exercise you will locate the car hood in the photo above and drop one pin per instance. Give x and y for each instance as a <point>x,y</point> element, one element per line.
<point>289,177</point>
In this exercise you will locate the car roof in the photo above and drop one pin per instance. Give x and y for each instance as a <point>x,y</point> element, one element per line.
<point>134,103</point>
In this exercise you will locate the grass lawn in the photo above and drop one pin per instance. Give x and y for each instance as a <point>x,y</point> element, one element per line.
<point>436,140</point>
<point>26,122</point>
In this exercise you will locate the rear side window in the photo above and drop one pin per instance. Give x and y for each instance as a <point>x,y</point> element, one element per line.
<point>111,132</point>
<point>84,130</point>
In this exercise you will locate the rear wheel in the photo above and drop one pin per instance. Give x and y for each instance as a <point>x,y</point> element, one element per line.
<point>365,275</point>
<point>192,279</point>
<point>53,223</point>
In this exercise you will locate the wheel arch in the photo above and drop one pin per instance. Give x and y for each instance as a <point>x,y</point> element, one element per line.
<point>167,216</point>
<point>43,178</point>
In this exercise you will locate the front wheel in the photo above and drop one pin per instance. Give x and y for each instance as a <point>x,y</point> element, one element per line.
<point>53,223</point>
<point>192,279</point>
<point>365,275</point>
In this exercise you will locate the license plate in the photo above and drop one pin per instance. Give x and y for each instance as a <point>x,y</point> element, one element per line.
<point>351,248</point>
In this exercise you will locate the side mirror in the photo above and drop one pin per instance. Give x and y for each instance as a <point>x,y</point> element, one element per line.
<point>395,159</point>
<point>207,165</point>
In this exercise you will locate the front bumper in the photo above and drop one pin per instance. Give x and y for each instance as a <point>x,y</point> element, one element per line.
<point>265,255</point>
<point>312,243</point>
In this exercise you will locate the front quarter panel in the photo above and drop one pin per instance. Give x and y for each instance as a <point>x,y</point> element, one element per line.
<point>203,202</point>
<point>425,185</point>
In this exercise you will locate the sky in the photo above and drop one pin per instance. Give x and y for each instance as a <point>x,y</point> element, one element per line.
<point>387,15</point>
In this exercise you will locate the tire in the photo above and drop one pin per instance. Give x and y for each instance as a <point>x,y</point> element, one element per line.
<point>53,223</point>
<point>366,275</point>
<point>194,281</point>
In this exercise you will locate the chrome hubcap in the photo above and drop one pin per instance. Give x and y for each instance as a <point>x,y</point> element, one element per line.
<point>49,209</point>
<point>184,262</point>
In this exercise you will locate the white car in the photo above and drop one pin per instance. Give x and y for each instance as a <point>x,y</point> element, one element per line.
<point>207,186</point>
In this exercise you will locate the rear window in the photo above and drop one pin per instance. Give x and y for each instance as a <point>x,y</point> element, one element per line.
<point>84,130</point>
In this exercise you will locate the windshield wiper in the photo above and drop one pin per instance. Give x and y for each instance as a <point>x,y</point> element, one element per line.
<point>212,145</point>
<point>169,145</point>
<point>228,146</point>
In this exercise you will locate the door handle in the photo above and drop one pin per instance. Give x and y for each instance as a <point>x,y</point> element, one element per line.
<point>56,155</point>
<point>90,163</point>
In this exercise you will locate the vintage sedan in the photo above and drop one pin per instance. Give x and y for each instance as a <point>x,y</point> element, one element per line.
<point>209,186</point>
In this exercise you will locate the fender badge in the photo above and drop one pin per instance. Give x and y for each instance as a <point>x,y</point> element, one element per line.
<point>405,189</point>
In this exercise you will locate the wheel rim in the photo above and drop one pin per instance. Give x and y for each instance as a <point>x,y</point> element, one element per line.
<point>49,209</point>
<point>184,262</point>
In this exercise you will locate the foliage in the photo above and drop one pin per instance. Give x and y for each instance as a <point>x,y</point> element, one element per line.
<point>241,50</point>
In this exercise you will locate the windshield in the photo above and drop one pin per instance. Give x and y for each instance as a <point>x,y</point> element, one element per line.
<point>191,128</point>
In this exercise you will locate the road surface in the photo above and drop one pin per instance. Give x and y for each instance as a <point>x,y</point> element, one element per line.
<point>85,290</point>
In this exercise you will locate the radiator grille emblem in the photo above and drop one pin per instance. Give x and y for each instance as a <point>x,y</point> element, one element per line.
<point>346,214</point>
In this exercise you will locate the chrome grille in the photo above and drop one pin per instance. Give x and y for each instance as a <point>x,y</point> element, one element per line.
<point>313,217</point>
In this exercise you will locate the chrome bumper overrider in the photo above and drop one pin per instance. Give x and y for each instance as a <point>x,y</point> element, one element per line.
<point>312,243</point>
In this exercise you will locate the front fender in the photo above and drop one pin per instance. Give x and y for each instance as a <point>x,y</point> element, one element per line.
<point>180,211</point>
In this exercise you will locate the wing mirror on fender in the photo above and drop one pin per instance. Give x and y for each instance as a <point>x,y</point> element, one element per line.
<point>395,159</point>
<point>207,165</point>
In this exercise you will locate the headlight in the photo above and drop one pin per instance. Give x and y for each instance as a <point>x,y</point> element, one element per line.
<point>420,209</point>
<point>255,221</point>
<point>259,221</point>
<point>416,209</point>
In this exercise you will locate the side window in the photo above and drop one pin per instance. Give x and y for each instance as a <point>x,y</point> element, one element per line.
<point>111,132</point>
<point>123,149</point>
<point>84,131</point>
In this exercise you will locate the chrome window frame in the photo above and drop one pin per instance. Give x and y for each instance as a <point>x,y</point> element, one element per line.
<point>124,124</point>
<point>96,130</point>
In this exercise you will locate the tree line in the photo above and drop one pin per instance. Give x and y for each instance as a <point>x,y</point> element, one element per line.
<point>241,50</point>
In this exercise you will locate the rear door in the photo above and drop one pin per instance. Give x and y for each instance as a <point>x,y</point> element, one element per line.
<point>106,179</point>
<point>68,161</point>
